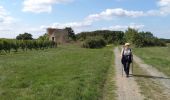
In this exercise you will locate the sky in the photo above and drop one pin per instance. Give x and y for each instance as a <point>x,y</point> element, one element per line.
<point>34,16</point>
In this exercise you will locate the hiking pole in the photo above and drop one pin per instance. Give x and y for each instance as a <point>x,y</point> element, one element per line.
<point>132,67</point>
<point>122,70</point>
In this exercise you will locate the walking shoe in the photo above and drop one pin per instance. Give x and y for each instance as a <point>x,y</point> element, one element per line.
<point>127,76</point>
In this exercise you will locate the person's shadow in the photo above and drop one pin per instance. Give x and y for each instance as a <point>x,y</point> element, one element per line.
<point>149,76</point>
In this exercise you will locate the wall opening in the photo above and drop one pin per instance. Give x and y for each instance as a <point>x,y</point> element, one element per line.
<point>53,38</point>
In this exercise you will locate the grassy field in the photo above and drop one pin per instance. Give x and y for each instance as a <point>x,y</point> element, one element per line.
<point>159,57</point>
<point>64,73</point>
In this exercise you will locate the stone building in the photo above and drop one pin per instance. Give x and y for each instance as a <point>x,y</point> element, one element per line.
<point>58,35</point>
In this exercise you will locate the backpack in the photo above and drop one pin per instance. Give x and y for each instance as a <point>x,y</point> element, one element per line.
<point>126,58</point>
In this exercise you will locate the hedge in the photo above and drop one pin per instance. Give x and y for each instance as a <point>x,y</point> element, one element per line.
<point>94,43</point>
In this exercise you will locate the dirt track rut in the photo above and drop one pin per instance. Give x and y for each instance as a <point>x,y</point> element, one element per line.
<point>158,76</point>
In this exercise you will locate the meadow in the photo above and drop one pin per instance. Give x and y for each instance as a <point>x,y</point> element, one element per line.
<point>63,73</point>
<point>158,57</point>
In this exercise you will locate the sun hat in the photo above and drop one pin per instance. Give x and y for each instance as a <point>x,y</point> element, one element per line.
<point>127,44</point>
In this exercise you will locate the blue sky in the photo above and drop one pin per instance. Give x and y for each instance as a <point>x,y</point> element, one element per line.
<point>34,16</point>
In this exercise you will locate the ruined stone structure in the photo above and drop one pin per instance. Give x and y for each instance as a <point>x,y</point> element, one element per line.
<point>58,35</point>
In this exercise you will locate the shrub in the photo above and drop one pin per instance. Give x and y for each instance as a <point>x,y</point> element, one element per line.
<point>94,43</point>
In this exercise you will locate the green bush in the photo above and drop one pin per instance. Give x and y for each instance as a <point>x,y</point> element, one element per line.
<point>94,43</point>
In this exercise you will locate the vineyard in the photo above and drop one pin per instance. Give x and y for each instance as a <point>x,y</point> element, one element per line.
<point>7,45</point>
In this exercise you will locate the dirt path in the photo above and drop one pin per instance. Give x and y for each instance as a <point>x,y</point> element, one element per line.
<point>156,75</point>
<point>127,87</point>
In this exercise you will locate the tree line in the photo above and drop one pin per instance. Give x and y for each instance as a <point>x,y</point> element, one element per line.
<point>138,39</point>
<point>107,35</point>
<point>165,40</point>
<point>94,39</point>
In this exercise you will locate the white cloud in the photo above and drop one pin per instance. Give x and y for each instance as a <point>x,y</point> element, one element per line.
<point>164,7</point>
<point>105,15</point>
<point>75,25</point>
<point>164,2</point>
<point>117,12</point>
<point>124,27</point>
<point>72,24</point>
<point>5,18</point>
<point>88,21</point>
<point>6,22</point>
<point>39,6</point>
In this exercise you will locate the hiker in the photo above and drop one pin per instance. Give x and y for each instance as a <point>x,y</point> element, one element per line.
<point>126,58</point>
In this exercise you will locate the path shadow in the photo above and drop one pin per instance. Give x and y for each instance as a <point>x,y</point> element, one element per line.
<point>148,76</point>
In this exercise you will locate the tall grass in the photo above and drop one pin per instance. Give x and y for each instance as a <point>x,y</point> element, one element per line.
<point>65,73</point>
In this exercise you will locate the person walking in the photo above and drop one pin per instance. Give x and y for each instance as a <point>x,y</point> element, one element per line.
<point>126,58</point>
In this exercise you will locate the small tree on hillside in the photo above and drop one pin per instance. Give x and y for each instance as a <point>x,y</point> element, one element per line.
<point>25,36</point>
<point>130,34</point>
<point>71,33</point>
<point>44,37</point>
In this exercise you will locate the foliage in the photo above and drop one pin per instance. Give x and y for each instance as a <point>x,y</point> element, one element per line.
<point>166,40</point>
<point>25,36</point>
<point>8,45</point>
<point>71,33</point>
<point>108,36</point>
<point>142,39</point>
<point>66,73</point>
<point>44,37</point>
<point>97,42</point>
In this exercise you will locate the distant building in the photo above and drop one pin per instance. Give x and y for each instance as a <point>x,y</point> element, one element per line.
<point>58,35</point>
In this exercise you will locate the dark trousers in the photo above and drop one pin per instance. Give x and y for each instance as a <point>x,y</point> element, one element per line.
<point>126,67</point>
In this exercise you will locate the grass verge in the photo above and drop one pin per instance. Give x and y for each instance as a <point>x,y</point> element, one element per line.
<point>109,86</point>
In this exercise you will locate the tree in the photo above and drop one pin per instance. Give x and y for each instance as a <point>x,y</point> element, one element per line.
<point>109,36</point>
<point>146,34</point>
<point>44,37</point>
<point>142,39</point>
<point>71,33</point>
<point>130,34</point>
<point>25,36</point>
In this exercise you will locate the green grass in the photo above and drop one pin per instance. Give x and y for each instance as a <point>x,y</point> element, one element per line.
<point>64,73</point>
<point>159,57</point>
